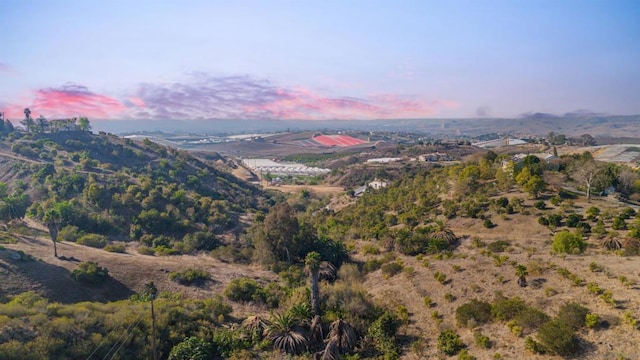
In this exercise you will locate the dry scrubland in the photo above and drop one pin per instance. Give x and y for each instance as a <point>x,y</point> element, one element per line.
<point>471,272</point>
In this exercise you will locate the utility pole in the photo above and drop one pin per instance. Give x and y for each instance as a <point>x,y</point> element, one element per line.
<point>152,291</point>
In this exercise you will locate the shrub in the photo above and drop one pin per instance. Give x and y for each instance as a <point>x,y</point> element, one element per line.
<point>244,289</point>
<point>93,240</point>
<point>442,278</point>
<point>473,313</point>
<point>70,233</point>
<point>533,346</point>
<point>192,348</point>
<point>189,276</point>
<point>573,220</point>
<point>619,224</point>
<point>554,220</point>
<point>558,338</point>
<point>498,246</point>
<point>372,265</point>
<point>591,320</point>
<point>543,221</point>
<point>145,250</point>
<point>568,243</point>
<point>449,342</point>
<point>592,213</point>
<point>116,248</point>
<point>506,309</point>
<point>540,205</point>
<point>531,318</point>
<point>487,223</point>
<point>556,200</point>
<point>391,269</point>
<point>369,249</point>
<point>482,341</point>
<point>90,273</point>
<point>573,315</point>
<point>464,355</point>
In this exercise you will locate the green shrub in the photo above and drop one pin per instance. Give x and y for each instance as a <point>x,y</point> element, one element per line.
<point>573,315</point>
<point>90,273</point>
<point>482,341</point>
<point>93,240</point>
<point>591,320</point>
<point>505,309</point>
<point>191,348</point>
<point>498,246</point>
<point>371,265</point>
<point>449,342</point>
<point>369,249</point>
<point>556,200</point>
<point>473,313</point>
<point>189,276</point>
<point>540,205</point>
<point>533,346</point>
<point>573,220</point>
<point>568,243</point>
<point>619,224</point>
<point>558,338</point>
<point>440,277</point>
<point>115,248</point>
<point>244,289</point>
<point>382,333</point>
<point>531,318</point>
<point>554,220</point>
<point>145,250</point>
<point>543,221</point>
<point>70,233</point>
<point>487,223</point>
<point>391,269</point>
<point>464,355</point>
<point>232,254</point>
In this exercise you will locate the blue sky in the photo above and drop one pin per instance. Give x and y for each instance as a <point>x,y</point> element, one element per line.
<point>318,60</point>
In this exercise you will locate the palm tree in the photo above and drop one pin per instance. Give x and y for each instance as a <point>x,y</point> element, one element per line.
<point>521,273</point>
<point>285,334</point>
<point>52,219</point>
<point>442,232</point>
<point>343,334</point>
<point>28,121</point>
<point>312,264</point>
<point>316,334</point>
<point>611,242</point>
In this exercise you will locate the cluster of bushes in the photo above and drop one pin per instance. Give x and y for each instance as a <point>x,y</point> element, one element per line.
<point>90,273</point>
<point>34,328</point>
<point>555,335</point>
<point>190,276</point>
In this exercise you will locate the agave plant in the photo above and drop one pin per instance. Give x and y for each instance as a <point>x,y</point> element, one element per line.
<point>611,243</point>
<point>285,333</point>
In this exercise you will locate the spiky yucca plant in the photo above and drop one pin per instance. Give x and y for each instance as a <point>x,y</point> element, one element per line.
<point>285,333</point>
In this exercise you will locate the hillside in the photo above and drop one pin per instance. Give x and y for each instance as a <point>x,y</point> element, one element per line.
<point>498,255</point>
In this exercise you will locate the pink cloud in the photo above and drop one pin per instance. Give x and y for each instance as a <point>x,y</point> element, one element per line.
<point>75,100</point>
<point>137,101</point>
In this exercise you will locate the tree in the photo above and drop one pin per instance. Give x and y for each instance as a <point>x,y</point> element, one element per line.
<point>588,173</point>
<point>285,334</point>
<point>41,123</point>
<point>84,124</point>
<point>28,121</point>
<point>568,243</point>
<point>151,290</point>
<point>534,186</point>
<point>52,219</point>
<point>312,263</point>
<point>341,338</point>
<point>443,232</point>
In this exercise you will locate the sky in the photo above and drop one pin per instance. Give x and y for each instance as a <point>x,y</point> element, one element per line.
<point>315,60</point>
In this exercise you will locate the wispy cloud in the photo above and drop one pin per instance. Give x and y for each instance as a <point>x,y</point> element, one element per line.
<point>245,97</point>
<point>75,100</point>
<point>202,96</point>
